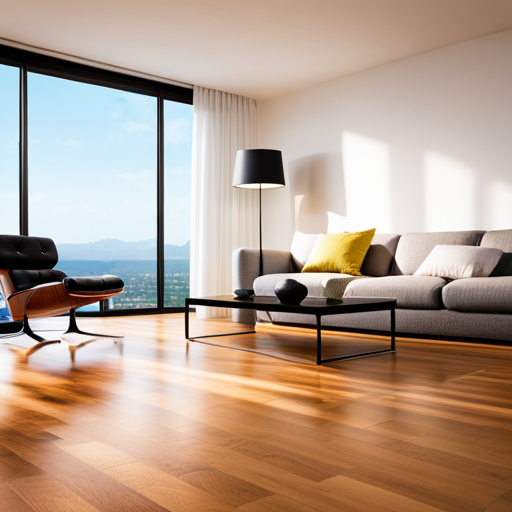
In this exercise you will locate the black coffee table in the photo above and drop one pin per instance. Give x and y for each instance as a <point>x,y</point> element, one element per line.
<point>316,307</point>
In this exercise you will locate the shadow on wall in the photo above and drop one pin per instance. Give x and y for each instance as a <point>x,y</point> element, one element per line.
<point>317,186</point>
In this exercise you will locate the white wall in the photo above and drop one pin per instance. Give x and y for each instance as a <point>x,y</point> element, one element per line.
<point>423,144</point>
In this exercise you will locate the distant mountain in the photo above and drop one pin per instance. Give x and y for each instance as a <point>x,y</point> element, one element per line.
<point>110,249</point>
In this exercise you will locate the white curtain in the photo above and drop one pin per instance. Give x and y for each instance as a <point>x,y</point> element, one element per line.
<point>223,217</point>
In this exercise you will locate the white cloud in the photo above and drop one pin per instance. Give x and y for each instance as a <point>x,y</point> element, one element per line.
<point>144,177</point>
<point>132,126</point>
<point>36,199</point>
<point>177,130</point>
<point>61,209</point>
<point>72,142</point>
<point>177,171</point>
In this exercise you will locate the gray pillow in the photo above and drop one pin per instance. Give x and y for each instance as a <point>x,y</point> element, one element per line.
<point>459,261</point>
<point>504,266</point>
<point>381,253</point>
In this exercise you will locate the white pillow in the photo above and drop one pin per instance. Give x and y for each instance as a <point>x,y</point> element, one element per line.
<point>459,261</point>
<point>302,246</point>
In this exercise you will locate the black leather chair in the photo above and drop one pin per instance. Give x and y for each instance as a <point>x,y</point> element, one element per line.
<point>34,289</point>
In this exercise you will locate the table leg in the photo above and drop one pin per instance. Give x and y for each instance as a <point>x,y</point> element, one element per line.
<point>187,307</point>
<point>393,330</point>
<point>318,339</point>
<point>195,338</point>
<point>391,350</point>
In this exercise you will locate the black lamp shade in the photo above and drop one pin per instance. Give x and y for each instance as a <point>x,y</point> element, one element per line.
<point>259,168</point>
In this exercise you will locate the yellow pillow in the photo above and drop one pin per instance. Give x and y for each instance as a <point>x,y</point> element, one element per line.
<point>343,253</point>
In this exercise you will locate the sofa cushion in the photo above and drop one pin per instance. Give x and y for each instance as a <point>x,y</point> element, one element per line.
<point>380,255</point>
<point>479,294</point>
<point>93,284</point>
<point>412,292</point>
<point>459,261</point>
<point>501,239</point>
<point>413,248</point>
<point>319,284</point>
<point>26,279</point>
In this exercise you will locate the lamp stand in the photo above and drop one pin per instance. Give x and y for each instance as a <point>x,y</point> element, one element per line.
<point>261,244</point>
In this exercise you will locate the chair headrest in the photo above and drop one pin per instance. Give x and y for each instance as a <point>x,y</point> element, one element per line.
<point>27,252</point>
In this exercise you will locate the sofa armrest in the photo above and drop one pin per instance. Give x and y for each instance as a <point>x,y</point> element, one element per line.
<point>246,265</point>
<point>246,268</point>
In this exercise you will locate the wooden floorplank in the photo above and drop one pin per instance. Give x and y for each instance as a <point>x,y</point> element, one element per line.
<point>276,503</point>
<point>502,504</point>
<point>166,490</point>
<point>12,502</point>
<point>227,488</point>
<point>86,482</point>
<point>262,473</point>
<point>45,494</point>
<point>371,497</point>
<point>168,425</point>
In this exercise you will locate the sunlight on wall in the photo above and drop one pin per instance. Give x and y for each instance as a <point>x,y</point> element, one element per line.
<point>367,182</point>
<point>500,205</point>
<point>337,223</point>
<point>297,202</point>
<point>450,190</point>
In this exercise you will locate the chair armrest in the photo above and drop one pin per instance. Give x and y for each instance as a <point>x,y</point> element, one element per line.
<point>18,301</point>
<point>246,265</point>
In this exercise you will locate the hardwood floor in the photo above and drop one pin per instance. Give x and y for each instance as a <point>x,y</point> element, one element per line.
<point>157,424</point>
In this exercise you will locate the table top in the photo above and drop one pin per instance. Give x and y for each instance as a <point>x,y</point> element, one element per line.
<point>307,306</point>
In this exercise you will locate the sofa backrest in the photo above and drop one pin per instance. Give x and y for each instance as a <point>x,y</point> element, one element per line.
<point>501,239</point>
<point>413,248</point>
<point>380,256</point>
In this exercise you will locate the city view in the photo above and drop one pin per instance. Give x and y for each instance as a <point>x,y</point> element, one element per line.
<point>139,278</point>
<point>135,264</point>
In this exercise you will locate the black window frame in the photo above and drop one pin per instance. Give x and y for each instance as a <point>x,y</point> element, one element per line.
<point>33,62</point>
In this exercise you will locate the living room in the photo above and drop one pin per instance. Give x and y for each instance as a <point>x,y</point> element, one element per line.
<point>388,116</point>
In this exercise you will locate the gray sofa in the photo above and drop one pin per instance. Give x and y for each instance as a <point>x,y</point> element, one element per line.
<point>477,308</point>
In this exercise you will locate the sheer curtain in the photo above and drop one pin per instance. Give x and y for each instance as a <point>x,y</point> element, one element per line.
<point>223,217</point>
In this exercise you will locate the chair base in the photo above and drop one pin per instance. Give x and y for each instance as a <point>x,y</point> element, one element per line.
<point>26,330</point>
<point>42,342</point>
<point>74,329</point>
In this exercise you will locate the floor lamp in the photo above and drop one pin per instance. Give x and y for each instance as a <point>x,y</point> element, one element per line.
<point>259,169</point>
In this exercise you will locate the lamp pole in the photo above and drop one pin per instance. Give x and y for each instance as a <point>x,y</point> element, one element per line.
<point>261,241</point>
<point>259,168</point>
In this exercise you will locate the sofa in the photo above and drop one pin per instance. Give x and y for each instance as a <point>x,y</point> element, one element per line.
<point>478,308</point>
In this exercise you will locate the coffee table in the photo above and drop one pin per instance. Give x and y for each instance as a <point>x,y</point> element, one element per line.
<point>316,307</point>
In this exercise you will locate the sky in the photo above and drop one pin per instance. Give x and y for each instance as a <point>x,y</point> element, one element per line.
<point>92,161</point>
<point>9,151</point>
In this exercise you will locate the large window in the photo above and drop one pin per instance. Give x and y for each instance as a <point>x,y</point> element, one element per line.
<point>9,158</point>
<point>9,148</point>
<point>178,155</point>
<point>107,174</point>
<point>92,181</point>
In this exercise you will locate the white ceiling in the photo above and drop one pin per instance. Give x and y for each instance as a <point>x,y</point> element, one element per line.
<point>258,48</point>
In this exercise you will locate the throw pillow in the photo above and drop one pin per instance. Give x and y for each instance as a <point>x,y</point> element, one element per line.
<point>302,245</point>
<point>504,266</point>
<point>459,261</point>
<point>342,253</point>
